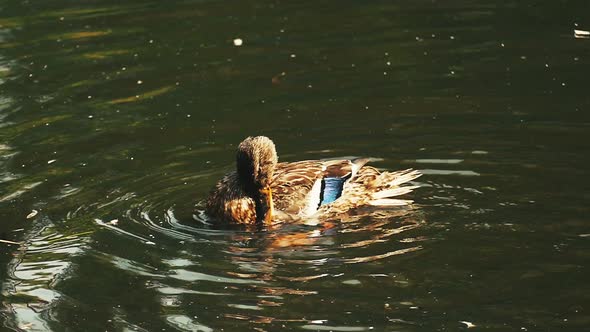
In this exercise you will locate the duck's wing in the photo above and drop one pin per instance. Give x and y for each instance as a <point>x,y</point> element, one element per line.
<point>293,182</point>
<point>299,188</point>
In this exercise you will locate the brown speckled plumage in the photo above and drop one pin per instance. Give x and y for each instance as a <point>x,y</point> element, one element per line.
<point>229,202</point>
<point>236,197</point>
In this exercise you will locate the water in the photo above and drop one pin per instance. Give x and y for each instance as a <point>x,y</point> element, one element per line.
<point>116,120</point>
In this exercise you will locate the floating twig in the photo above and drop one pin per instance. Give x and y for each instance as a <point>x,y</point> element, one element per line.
<point>9,242</point>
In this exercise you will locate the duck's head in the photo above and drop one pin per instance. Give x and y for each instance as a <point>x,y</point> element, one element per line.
<point>256,160</point>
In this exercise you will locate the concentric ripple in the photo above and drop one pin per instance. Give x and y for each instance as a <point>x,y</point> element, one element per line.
<point>195,271</point>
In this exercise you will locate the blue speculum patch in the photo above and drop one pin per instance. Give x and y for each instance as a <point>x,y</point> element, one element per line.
<point>331,189</point>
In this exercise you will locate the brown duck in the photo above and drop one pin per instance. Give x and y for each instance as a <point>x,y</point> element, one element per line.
<point>262,190</point>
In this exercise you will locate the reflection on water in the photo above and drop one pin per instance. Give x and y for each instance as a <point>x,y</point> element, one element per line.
<point>42,262</point>
<point>117,119</point>
<point>245,276</point>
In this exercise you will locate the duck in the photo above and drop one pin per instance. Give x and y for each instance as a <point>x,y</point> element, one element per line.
<point>263,191</point>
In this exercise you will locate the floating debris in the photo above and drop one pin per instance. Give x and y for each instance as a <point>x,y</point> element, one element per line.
<point>32,214</point>
<point>581,34</point>
<point>51,161</point>
<point>468,324</point>
<point>238,42</point>
<point>9,242</point>
<point>277,78</point>
<point>111,226</point>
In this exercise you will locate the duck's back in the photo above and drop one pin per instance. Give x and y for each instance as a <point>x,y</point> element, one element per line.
<point>299,188</point>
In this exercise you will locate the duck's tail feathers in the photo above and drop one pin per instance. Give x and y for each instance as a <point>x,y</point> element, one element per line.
<point>390,187</point>
<point>390,202</point>
<point>404,176</point>
<point>393,192</point>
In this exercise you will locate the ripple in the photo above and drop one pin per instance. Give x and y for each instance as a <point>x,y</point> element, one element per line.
<point>185,323</point>
<point>186,275</point>
<point>316,327</point>
<point>37,268</point>
<point>449,172</point>
<point>186,261</point>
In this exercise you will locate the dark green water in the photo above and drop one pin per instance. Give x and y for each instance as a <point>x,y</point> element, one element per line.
<point>133,111</point>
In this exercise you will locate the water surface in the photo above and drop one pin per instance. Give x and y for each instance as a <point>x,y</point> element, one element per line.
<point>117,119</point>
